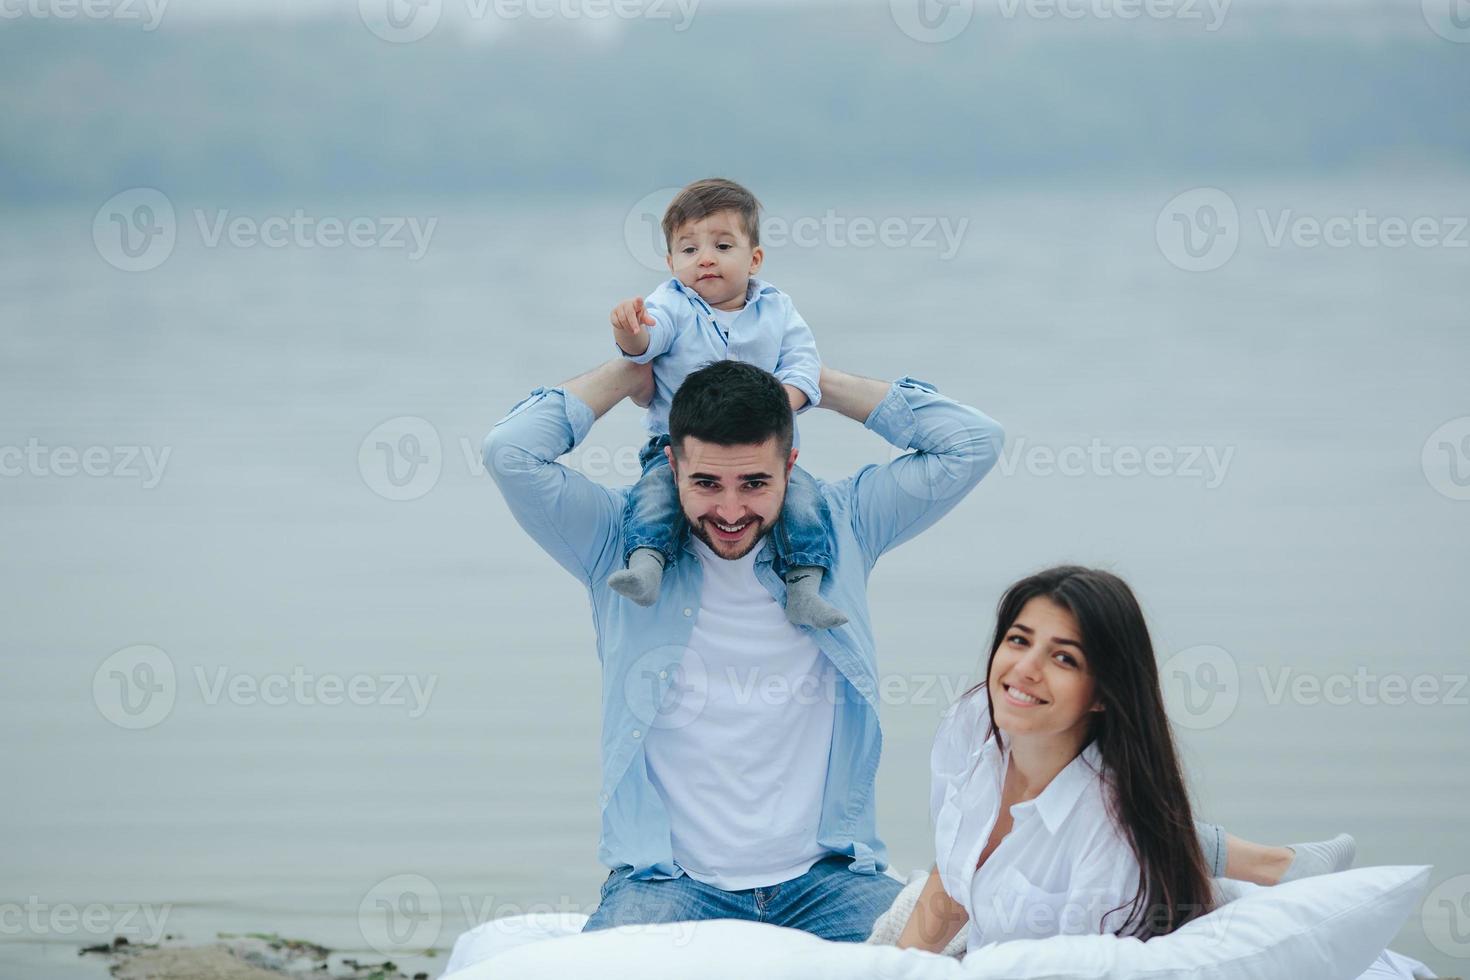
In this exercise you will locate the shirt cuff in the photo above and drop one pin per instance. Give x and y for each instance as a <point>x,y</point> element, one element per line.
<point>893,419</point>
<point>578,414</point>
<point>807,387</point>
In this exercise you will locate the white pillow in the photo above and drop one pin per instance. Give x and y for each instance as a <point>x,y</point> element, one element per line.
<point>1330,927</point>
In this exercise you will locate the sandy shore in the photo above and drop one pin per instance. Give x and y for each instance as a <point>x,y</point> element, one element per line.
<point>251,957</point>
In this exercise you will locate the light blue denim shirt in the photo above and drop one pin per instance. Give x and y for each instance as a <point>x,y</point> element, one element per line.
<point>768,333</point>
<point>578,523</point>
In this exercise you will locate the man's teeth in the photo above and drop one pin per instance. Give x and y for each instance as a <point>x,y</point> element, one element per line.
<point>1023,696</point>
<point>729,528</point>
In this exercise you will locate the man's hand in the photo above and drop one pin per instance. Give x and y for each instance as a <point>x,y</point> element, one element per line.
<point>628,321</point>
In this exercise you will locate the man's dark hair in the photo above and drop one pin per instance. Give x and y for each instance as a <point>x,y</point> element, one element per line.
<point>711,196</point>
<point>731,403</point>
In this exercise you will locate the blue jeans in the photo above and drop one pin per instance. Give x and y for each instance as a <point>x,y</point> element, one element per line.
<point>654,519</point>
<point>828,901</point>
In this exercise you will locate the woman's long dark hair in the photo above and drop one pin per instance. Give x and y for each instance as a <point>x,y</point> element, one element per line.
<point>1148,795</point>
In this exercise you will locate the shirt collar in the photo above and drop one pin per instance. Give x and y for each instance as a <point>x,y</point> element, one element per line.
<point>754,289</point>
<point>1060,797</point>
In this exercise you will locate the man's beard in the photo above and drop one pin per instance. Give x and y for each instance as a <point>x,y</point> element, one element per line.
<point>698,529</point>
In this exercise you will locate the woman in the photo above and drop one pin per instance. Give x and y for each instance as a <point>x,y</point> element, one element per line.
<point>1058,800</point>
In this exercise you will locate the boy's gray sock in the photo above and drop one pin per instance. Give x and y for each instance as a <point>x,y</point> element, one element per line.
<point>640,581</point>
<point>804,606</point>
<point>1321,857</point>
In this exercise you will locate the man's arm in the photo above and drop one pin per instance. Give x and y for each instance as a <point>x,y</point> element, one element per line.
<point>954,447</point>
<point>576,521</point>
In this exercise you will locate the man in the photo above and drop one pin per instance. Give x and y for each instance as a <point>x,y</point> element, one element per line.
<point>739,751</point>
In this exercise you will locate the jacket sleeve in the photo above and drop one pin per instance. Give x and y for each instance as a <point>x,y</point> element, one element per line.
<point>953,445</point>
<point>574,520</point>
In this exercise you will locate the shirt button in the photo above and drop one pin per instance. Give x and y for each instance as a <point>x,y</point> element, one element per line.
<point>689,612</point>
<point>637,733</point>
<point>662,674</point>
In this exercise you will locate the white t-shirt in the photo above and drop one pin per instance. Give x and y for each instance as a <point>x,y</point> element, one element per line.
<point>1064,866</point>
<point>724,319</point>
<point>741,761</point>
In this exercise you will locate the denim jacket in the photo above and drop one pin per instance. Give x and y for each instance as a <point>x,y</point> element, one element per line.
<point>578,523</point>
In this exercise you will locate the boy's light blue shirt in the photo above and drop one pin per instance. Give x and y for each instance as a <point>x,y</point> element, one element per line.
<point>578,523</point>
<point>768,333</point>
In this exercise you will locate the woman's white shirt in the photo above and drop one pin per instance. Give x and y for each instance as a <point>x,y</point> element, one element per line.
<point>1064,867</point>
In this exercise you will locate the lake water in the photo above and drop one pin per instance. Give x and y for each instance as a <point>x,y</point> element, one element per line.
<point>1291,524</point>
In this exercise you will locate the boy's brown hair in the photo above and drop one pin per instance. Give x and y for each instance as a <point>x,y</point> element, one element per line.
<point>709,196</point>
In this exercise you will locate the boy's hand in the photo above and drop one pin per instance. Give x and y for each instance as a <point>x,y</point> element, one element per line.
<point>628,321</point>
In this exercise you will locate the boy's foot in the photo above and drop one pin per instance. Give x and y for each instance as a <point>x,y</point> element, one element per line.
<point>804,606</point>
<point>1320,858</point>
<point>640,581</point>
